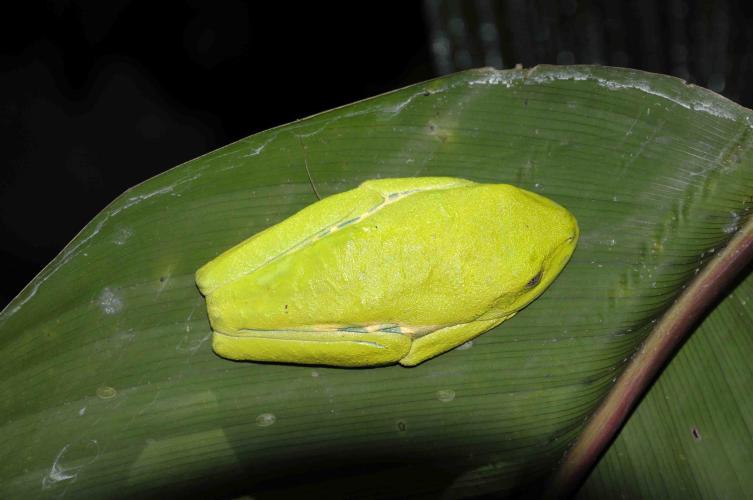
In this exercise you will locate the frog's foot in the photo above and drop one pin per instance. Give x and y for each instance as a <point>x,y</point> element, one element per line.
<point>447,338</point>
<point>313,347</point>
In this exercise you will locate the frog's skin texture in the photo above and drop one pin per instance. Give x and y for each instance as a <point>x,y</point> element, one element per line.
<point>394,271</point>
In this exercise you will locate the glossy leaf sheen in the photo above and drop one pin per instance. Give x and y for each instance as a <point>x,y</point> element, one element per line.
<point>109,385</point>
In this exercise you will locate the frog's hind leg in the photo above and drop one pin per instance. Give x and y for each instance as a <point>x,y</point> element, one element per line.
<point>444,339</point>
<point>312,347</point>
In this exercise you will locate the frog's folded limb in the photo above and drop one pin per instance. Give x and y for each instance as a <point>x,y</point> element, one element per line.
<point>334,348</point>
<point>447,338</point>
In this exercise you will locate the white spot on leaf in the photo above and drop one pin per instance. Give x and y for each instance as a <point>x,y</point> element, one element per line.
<point>85,454</point>
<point>110,302</point>
<point>266,419</point>
<point>189,345</point>
<point>106,392</point>
<point>122,235</point>
<point>734,224</point>
<point>445,395</point>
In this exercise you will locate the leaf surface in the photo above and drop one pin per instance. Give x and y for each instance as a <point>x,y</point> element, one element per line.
<point>109,386</point>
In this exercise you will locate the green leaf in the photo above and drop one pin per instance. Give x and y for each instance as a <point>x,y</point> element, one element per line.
<point>692,435</point>
<point>109,387</point>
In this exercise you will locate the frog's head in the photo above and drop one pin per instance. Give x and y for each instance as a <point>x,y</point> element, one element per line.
<point>544,235</point>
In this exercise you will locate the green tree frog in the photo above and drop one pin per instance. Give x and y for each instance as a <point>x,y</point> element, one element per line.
<point>394,271</point>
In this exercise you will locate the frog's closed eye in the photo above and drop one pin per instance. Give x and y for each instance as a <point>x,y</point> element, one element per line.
<point>535,280</point>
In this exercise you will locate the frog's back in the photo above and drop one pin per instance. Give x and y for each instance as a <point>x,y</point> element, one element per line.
<point>310,224</point>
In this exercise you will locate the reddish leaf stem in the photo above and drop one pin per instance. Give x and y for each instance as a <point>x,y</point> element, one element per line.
<point>677,324</point>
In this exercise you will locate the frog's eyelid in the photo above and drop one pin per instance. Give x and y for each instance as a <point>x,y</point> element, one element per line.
<point>535,280</point>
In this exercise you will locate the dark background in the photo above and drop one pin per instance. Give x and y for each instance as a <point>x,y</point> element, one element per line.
<point>97,96</point>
